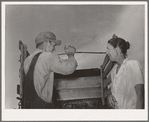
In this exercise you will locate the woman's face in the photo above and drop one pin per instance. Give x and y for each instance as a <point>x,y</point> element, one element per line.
<point>111,51</point>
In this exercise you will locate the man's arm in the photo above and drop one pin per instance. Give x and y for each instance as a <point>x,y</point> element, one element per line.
<point>61,66</point>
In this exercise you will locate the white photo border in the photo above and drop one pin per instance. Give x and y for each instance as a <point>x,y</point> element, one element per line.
<point>65,114</point>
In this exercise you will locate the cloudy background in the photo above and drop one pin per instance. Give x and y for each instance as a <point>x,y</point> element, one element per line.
<point>87,27</point>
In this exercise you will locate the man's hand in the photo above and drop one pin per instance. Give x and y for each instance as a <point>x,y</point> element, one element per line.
<point>111,101</point>
<point>70,51</point>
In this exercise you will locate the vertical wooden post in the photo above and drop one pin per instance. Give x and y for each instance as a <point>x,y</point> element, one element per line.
<point>24,54</point>
<point>102,86</point>
<point>25,51</point>
<point>21,69</point>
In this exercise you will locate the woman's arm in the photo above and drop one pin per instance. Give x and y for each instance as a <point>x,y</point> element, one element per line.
<point>136,74</point>
<point>140,96</point>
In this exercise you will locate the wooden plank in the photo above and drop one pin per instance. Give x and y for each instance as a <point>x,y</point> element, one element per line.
<point>22,88</point>
<point>102,89</point>
<point>107,81</point>
<point>108,69</point>
<point>106,60</point>
<point>20,43</point>
<point>107,92</point>
<point>83,93</point>
<point>21,69</point>
<point>79,73</point>
<point>18,89</point>
<point>25,53</point>
<point>80,82</point>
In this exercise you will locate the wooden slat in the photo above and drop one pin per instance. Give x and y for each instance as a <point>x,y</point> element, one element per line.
<point>102,89</point>
<point>20,43</point>
<point>108,69</point>
<point>107,92</point>
<point>106,60</point>
<point>72,94</point>
<point>107,81</point>
<point>79,73</point>
<point>80,82</point>
<point>25,52</point>
<point>21,69</point>
<point>18,89</point>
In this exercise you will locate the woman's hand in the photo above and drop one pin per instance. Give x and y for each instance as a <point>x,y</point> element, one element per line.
<point>111,101</point>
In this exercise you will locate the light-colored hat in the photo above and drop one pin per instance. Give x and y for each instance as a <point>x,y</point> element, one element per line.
<point>43,36</point>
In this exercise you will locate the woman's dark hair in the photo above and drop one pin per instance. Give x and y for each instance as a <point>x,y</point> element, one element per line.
<point>121,43</point>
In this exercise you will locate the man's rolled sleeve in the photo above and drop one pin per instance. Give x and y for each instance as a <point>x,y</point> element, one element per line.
<point>65,67</point>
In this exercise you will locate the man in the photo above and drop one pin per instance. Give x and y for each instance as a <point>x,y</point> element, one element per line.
<point>39,69</point>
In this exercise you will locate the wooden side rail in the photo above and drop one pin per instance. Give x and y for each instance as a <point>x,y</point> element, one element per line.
<point>105,69</point>
<point>21,86</point>
<point>82,84</point>
<point>81,89</point>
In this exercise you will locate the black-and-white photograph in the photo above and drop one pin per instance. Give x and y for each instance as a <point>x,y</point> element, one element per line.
<point>74,60</point>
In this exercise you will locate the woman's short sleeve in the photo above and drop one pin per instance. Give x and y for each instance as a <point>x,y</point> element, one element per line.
<point>135,72</point>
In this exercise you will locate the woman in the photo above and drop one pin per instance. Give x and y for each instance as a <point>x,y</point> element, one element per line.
<point>127,80</point>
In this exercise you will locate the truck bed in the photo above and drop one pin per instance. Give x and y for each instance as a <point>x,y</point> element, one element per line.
<point>79,90</point>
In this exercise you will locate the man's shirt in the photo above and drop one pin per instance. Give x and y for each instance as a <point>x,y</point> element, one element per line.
<point>46,65</point>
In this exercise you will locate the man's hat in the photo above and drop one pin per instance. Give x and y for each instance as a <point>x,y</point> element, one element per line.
<point>43,36</point>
